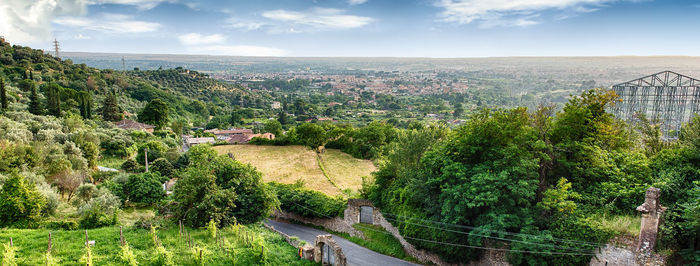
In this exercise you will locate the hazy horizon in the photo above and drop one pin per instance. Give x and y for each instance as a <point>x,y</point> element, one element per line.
<point>358,28</point>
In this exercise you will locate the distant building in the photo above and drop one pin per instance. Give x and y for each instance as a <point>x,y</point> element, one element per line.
<point>331,104</point>
<point>276,105</point>
<point>195,141</point>
<point>133,125</point>
<point>245,138</point>
<point>227,134</point>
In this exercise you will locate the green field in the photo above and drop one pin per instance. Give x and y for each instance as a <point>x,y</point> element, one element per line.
<point>69,246</point>
<point>287,164</point>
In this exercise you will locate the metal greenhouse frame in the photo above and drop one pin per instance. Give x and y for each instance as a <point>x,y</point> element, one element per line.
<point>667,97</point>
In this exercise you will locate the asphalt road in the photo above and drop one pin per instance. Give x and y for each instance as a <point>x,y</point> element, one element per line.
<point>355,254</point>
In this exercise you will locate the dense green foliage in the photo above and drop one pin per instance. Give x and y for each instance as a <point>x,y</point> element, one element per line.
<point>536,175</point>
<point>145,188</point>
<point>20,202</point>
<point>155,113</point>
<point>215,187</point>
<point>308,203</point>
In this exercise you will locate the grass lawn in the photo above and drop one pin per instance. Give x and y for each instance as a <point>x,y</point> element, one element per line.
<point>69,247</point>
<point>111,162</point>
<point>287,164</point>
<point>622,224</point>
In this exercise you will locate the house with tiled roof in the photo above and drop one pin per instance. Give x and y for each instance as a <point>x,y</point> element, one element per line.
<point>133,125</point>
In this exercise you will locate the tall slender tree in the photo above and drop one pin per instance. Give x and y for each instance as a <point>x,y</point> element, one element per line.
<point>53,99</point>
<point>34,103</point>
<point>85,104</point>
<point>3,94</point>
<point>110,108</point>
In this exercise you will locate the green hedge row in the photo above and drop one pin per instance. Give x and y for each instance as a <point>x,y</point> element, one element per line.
<point>308,203</point>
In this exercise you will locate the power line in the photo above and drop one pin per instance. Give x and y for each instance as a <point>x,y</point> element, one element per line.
<point>495,237</point>
<point>486,248</point>
<point>594,244</point>
<point>459,245</point>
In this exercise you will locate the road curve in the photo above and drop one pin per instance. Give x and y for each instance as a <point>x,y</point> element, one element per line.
<point>355,254</point>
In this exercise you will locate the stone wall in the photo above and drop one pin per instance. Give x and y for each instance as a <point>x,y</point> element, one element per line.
<point>327,240</point>
<point>334,224</point>
<point>352,216</point>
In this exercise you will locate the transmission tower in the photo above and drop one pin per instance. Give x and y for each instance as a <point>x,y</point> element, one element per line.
<point>56,47</point>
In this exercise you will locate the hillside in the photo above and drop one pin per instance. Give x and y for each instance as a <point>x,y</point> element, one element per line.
<point>287,164</point>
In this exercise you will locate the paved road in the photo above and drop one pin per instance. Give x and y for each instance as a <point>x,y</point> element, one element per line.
<point>356,255</point>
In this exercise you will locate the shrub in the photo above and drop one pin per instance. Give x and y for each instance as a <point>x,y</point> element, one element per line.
<point>85,193</point>
<point>302,201</point>
<point>19,201</point>
<point>61,225</point>
<point>51,196</point>
<point>162,166</point>
<point>211,227</point>
<point>94,218</point>
<point>144,188</point>
<point>8,255</point>
<point>162,257</point>
<point>131,166</point>
<point>128,256</point>
<point>156,149</point>
<point>220,189</point>
<point>100,210</point>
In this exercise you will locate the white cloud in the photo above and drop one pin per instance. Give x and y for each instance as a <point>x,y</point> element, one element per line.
<point>238,50</point>
<point>317,19</point>
<point>81,37</point>
<point>356,2</point>
<point>140,4</point>
<point>508,12</point>
<point>199,39</point>
<point>109,23</point>
<point>246,25</point>
<point>30,21</point>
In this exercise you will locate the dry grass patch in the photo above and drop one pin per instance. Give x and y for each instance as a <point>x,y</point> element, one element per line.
<point>346,170</point>
<point>283,164</point>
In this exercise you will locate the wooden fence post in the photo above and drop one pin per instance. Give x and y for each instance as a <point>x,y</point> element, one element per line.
<point>11,243</point>
<point>121,236</point>
<point>87,244</point>
<point>49,248</point>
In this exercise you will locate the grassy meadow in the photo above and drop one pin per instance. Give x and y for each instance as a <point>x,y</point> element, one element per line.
<point>287,164</point>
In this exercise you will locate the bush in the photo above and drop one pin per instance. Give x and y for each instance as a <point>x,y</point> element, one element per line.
<point>20,202</point>
<point>100,210</point>
<point>156,149</point>
<point>302,201</point>
<point>60,225</point>
<point>220,189</point>
<point>144,188</point>
<point>94,218</point>
<point>163,167</point>
<point>131,166</point>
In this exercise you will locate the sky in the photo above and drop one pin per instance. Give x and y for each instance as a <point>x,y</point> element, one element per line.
<point>358,28</point>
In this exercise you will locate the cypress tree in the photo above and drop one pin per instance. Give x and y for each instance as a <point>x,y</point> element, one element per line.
<point>3,95</point>
<point>85,102</point>
<point>110,108</point>
<point>34,104</point>
<point>53,99</point>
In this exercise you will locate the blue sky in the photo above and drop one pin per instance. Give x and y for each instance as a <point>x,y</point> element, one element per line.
<point>401,28</point>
